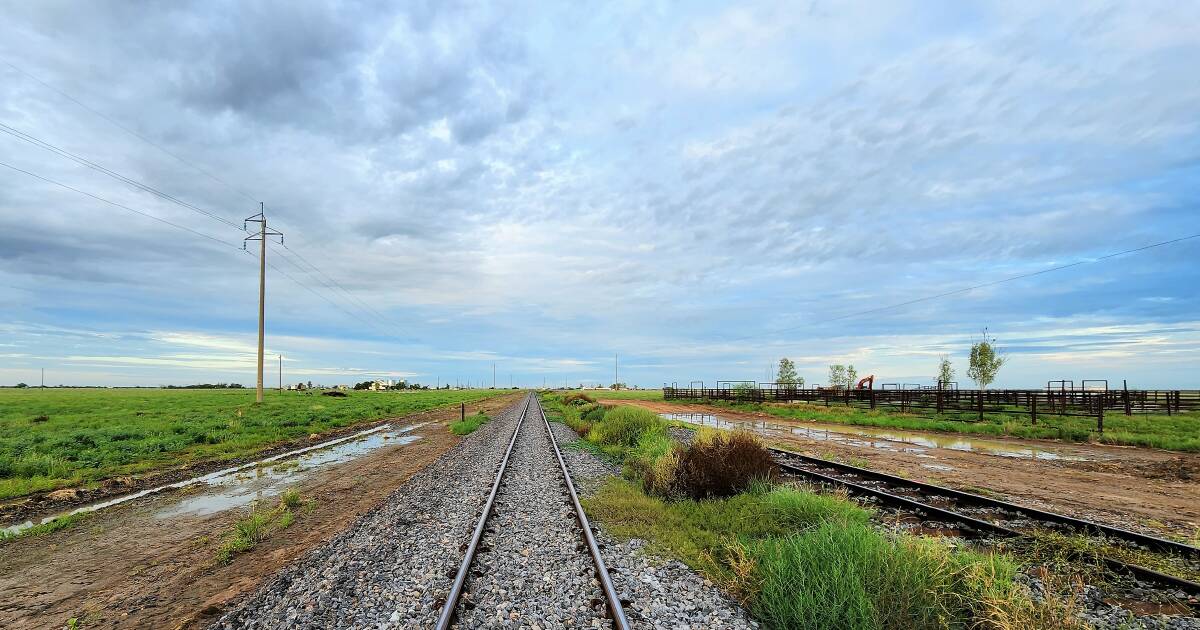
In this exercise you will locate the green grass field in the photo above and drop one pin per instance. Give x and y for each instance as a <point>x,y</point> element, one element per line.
<point>55,438</point>
<point>1179,432</point>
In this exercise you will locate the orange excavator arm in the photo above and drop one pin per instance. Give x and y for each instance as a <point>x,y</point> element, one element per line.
<point>867,382</point>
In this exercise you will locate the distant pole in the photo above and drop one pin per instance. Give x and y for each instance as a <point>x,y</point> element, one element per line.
<point>43,378</point>
<point>263,233</point>
<point>615,379</point>
<point>493,375</point>
<point>281,373</point>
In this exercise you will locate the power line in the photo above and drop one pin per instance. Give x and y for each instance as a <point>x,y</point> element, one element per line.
<point>129,131</point>
<point>119,205</point>
<point>186,229</point>
<point>31,139</point>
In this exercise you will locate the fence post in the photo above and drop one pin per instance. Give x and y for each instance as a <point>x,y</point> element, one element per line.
<point>872,398</point>
<point>1033,410</point>
<point>462,411</point>
<point>939,399</point>
<point>1125,397</point>
<point>1100,414</point>
<point>979,393</point>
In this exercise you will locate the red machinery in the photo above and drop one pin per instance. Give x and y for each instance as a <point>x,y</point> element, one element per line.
<point>868,382</point>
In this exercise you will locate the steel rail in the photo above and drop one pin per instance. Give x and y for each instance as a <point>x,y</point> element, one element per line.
<point>1153,542</point>
<point>616,611</point>
<point>896,499</point>
<point>460,579</point>
<point>1143,573</point>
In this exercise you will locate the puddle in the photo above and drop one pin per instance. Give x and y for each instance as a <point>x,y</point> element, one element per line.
<point>937,467</point>
<point>882,439</point>
<point>240,485</point>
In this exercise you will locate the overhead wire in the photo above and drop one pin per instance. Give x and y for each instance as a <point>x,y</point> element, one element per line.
<point>328,283</point>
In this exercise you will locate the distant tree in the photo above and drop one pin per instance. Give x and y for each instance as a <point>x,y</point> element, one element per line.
<point>744,391</point>
<point>985,361</point>
<point>837,375</point>
<point>945,372</point>
<point>22,385</point>
<point>787,372</point>
<point>851,376</point>
<point>363,385</point>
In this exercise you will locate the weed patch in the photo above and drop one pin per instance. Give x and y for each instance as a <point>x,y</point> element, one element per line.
<point>260,525</point>
<point>468,425</point>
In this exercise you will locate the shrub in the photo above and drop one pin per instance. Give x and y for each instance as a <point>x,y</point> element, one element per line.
<point>722,464</point>
<point>595,414</point>
<point>625,425</point>
<point>40,418</point>
<point>577,398</point>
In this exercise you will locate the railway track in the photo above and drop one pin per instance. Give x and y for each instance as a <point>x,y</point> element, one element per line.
<point>976,516</point>
<point>536,544</point>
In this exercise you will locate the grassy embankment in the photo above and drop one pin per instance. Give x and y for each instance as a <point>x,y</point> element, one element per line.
<point>796,559</point>
<point>55,438</point>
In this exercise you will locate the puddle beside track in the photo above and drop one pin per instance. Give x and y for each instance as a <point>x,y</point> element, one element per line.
<point>240,485</point>
<point>902,441</point>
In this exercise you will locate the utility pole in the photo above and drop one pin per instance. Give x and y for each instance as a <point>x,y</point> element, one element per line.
<point>281,374</point>
<point>43,378</point>
<point>493,375</point>
<point>263,233</point>
<point>615,379</point>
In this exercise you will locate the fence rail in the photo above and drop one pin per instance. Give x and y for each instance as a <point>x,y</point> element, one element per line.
<point>1030,403</point>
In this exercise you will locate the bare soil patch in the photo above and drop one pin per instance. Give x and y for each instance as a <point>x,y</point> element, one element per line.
<point>128,568</point>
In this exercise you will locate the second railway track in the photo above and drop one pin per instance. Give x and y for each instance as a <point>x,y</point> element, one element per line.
<point>975,516</point>
<point>532,558</point>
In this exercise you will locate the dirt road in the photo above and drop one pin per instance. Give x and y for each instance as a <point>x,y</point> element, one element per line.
<point>1148,490</point>
<point>146,565</point>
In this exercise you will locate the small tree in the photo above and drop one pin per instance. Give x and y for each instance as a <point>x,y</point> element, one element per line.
<point>985,361</point>
<point>945,372</point>
<point>837,375</point>
<point>21,385</point>
<point>851,376</point>
<point>787,373</point>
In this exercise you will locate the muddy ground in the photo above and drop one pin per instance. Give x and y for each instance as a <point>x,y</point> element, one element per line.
<point>129,567</point>
<point>1149,490</point>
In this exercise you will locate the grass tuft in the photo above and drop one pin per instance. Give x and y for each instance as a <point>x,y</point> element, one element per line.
<point>468,425</point>
<point>260,525</point>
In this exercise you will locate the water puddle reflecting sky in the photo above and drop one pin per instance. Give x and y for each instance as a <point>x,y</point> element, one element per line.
<point>883,439</point>
<point>240,485</point>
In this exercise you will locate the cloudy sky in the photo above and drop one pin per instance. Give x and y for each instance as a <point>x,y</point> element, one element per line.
<point>701,188</point>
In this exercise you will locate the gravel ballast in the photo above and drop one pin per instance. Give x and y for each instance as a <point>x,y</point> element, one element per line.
<point>532,569</point>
